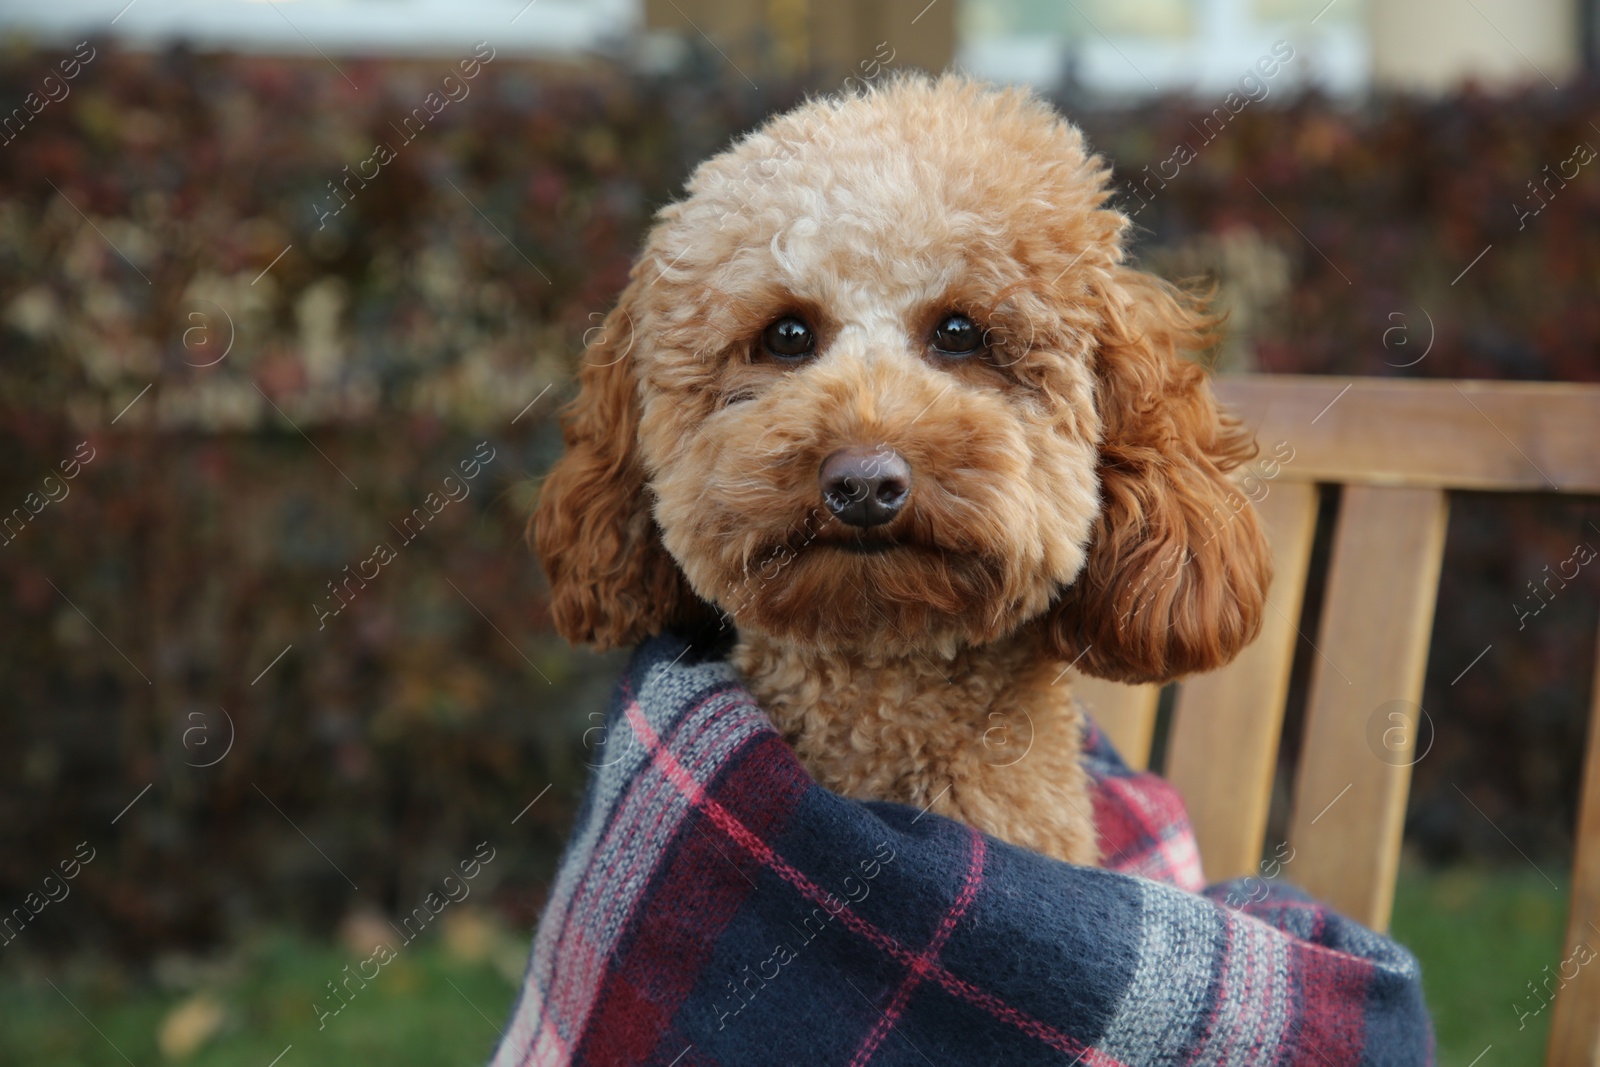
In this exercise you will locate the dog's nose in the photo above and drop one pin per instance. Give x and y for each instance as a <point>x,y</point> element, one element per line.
<point>865,486</point>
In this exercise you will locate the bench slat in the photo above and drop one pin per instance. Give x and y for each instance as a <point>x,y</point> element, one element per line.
<point>1442,434</point>
<point>1126,713</point>
<point>1350,793</point>
<point>1575,1022</point>
<point>1226,724</point>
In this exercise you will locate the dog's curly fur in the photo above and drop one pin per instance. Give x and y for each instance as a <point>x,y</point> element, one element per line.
<point>1070,496</point>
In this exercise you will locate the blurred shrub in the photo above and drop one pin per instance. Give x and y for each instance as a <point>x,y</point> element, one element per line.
<point>1381,210</point>
<point>168,211</point>
<point>255,433</point>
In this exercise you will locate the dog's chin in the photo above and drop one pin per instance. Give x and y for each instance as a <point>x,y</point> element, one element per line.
<point>867,548</point>
<point>874,593</point>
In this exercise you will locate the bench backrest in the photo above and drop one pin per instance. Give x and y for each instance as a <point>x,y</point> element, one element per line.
<point>1395,448</point>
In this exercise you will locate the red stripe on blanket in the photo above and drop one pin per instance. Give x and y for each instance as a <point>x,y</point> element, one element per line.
<point>1329,982</point>
<point>1143,828</point>
<point>919,969</point>
<point>682,916</point>
<point>752,843</point>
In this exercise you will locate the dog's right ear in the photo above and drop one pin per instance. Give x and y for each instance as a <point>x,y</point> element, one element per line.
<point>1178,564</point>
<point>611,580</point>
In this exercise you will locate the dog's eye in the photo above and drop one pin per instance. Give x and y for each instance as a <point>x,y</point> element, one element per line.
<point>789,339</point>
<point>958,336</point>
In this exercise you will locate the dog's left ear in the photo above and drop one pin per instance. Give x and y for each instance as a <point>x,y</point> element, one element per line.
<point>612,582</point>
<point>1178,566</point>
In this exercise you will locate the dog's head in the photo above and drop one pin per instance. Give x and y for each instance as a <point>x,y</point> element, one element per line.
<point>884,381</point>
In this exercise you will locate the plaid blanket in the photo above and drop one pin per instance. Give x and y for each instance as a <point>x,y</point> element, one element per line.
<point>716,906</point>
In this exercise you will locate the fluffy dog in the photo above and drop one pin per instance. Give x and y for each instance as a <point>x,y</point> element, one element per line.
<point>883,395</point>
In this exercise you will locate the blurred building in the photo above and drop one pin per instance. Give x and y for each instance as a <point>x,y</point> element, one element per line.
<point>1140,47</point>
<point>1431,45</point>
<point>830,38</point>
<point>1348,47</point>
<point>1114,48</point>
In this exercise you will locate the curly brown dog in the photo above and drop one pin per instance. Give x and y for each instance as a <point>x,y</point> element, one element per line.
<point>883,395</point>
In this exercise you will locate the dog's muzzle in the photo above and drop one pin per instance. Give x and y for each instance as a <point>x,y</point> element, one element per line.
<point>865,487</point>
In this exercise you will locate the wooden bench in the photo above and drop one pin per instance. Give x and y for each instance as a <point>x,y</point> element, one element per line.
<point>1395,448</point>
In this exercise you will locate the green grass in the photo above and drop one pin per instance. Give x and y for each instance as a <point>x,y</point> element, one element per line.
<point>1481,938</point>
<point>427,1007</point>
